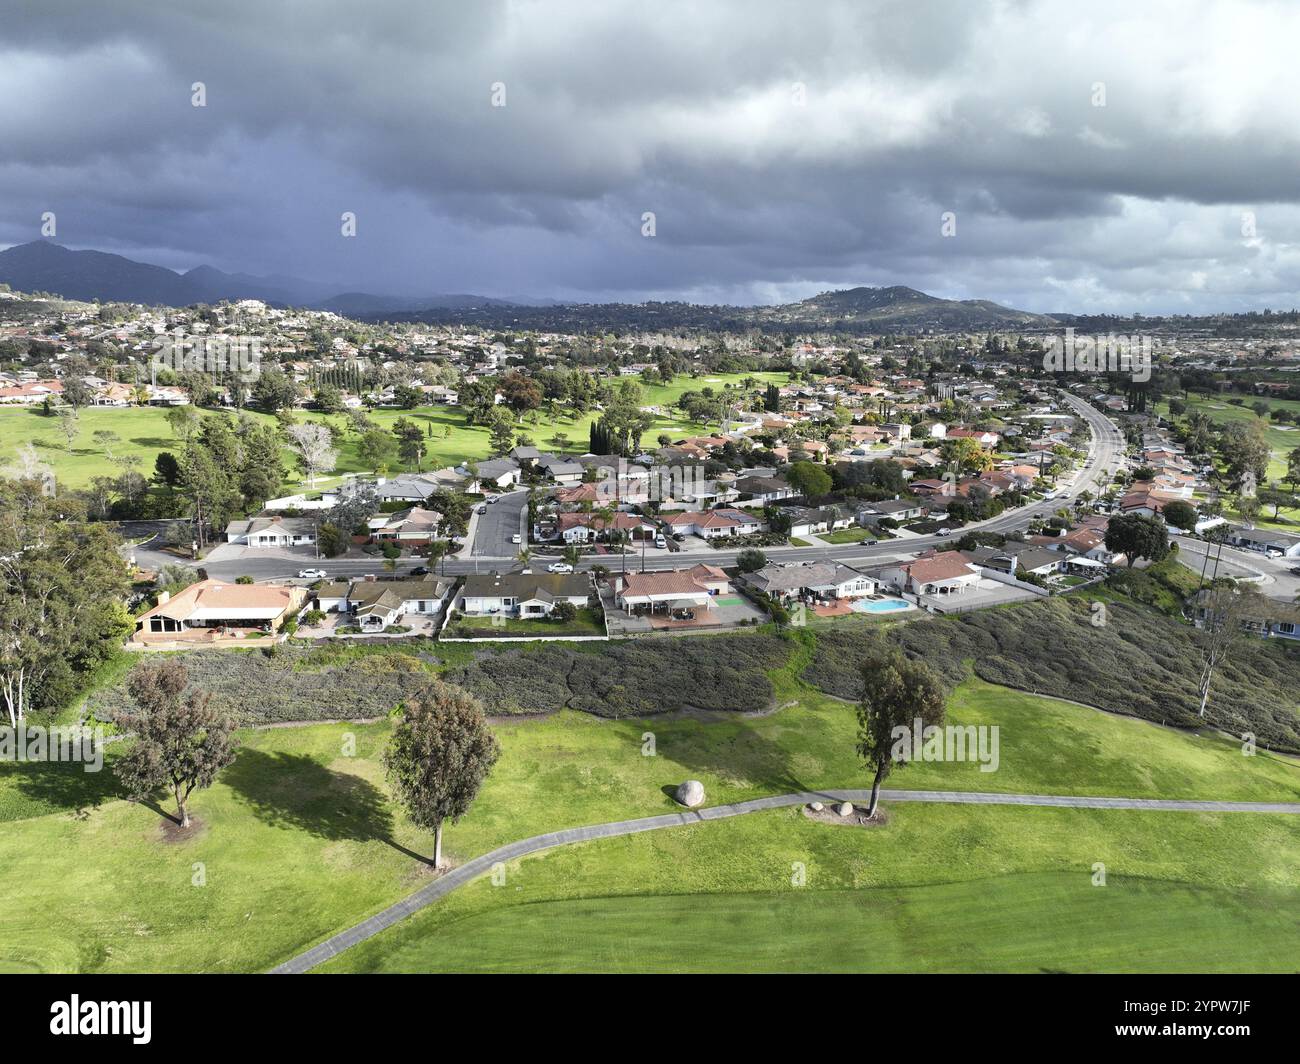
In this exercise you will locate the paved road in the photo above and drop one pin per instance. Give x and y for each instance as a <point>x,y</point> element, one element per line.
<point>471,870</point>
<point>1104,456</point>
<point>500,520</point>
<point>1272,576</point>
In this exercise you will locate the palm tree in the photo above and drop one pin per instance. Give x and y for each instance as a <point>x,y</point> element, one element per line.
<point>525,556</point>
<point>572,555</point>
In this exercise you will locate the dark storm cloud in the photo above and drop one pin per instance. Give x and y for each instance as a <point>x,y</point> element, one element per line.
<point>1101,158</point>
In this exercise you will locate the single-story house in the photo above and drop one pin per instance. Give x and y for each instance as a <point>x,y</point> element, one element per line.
<point>674,589</point>
<point>412,525</point>
<point>714,524</point>
<point>272,531</point>
<point>209,606</point>
<point>1265,541</point>
<point>870,513</point>
<point>810,580</point>
<point>498,473</point>
<point>765,489</point>
<point>376,604</point>
<point>1040,561</point>
<point>521,594</point>
<point>949,573</point>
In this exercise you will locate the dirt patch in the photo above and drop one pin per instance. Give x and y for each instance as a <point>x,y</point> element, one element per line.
<point>424,872</point>
<point>171,832</point>
<point>856,819</point>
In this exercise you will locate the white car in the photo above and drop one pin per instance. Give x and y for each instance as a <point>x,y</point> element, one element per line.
<point>311,574</point>
<point>944,532</point>
<point>516,538</point>
<point>492,498</point>
<point>559,567</point>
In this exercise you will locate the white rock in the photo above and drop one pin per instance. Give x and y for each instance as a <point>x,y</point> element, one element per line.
<point>844,809</point>
<point>816,807</point>
<point>691,794</point>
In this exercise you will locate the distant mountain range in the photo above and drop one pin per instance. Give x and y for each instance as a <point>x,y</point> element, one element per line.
<point>42,266</point>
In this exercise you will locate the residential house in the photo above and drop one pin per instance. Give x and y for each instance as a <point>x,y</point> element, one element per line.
<point>377,604</point>
<point>272,532</point>
<point>765,489</point>
<point>674,589</point>
<point>949,573</point>
<point>1265,541</point>
<point>412,525</point>
<point>212,608</point>
<point>810,580</point>
<point>713,524</point>
<point>521,594</point>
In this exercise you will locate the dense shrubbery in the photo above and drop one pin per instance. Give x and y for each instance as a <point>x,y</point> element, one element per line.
<point>1138,663</point>
<point>629,679</point>
<point>291,684</point>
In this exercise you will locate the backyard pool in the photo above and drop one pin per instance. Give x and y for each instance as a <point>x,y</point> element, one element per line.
<point>879,605</point>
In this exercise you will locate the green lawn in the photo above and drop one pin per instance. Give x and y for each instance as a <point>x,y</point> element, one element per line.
<point>144,433</point>
<point>300,839</point>
<point>1024,922</point>
<point>850,535</point>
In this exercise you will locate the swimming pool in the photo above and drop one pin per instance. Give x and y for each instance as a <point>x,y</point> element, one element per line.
<point>879,605</point>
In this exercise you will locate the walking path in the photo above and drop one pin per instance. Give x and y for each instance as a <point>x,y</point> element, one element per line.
<point>445,884</point>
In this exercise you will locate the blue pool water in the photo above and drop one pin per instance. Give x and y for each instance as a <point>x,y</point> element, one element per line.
<point>880,605</point>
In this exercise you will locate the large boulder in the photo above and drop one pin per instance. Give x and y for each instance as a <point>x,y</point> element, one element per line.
<point>691,793</point>
<point>844,809</point>
<point>816,807</point>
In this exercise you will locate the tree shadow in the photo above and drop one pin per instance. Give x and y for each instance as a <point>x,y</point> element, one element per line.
<point>61,785</point>
<point>730,749</point>
<point>298,792</point>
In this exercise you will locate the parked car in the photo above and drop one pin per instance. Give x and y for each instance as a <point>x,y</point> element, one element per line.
<point>660,541</point>
<point>311,574</point>
<point>943,532</point>
<point>1295,570</point>
<point>420,570</point>
<point>516,538</point>
<point>559,567</point>
<point>482,509</point>
<point>492,498</point>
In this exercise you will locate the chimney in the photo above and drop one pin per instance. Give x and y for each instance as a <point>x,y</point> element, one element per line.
<point>164,597</point>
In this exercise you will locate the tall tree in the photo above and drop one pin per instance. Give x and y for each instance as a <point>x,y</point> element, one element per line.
<point>313,445</point>
<point>1137,536</point>
<point>62,582</point>
<point>181,741</point>
<point>896,693</point>
<point>441,752</point>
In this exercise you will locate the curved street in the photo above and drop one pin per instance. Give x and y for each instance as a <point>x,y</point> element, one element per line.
<point>1106,448</point>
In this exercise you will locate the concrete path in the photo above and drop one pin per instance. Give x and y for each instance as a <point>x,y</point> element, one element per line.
<point>445,884</point>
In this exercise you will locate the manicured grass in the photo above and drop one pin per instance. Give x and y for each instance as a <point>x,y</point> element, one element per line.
<point>850,535</point>
<point>940,888</point>
<point>1280,439</point>
<point>144,433</point>
<point>1031,922</point>
<point>300,840</point>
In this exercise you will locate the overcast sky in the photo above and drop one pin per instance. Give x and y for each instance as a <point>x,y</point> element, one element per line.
<point>1097,157</point>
